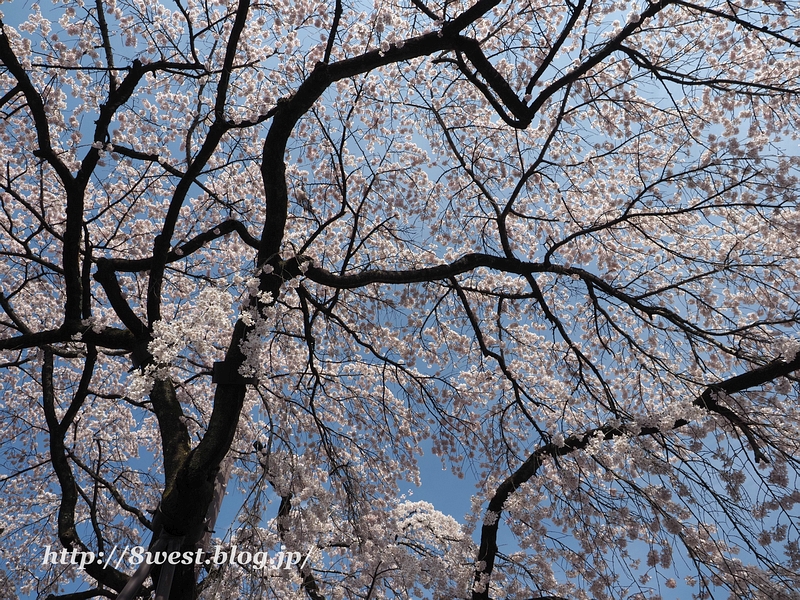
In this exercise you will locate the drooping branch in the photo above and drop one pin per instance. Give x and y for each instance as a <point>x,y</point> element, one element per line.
<point>708,400</point>
<point>115,493</point>
<point>733,17</point>
<point>309,583</point>
<point>711,82</point>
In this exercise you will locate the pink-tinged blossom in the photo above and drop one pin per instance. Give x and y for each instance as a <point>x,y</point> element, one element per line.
<point>317,250</point>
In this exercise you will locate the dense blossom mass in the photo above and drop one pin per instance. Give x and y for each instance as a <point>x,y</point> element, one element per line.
<point>286,246</point>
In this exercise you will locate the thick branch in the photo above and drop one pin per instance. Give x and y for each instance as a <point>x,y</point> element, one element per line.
<point>108,337</point>
<point>469,262</point>
<point>67,531</point>
<point>472,49</point>
<point>174,435</point>
<point>105,277</point>
<point>179,252</point>
<point>466,263</point>
<point>93,593</point>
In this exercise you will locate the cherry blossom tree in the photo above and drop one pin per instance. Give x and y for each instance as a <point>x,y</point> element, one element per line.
<point>286,245</point>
